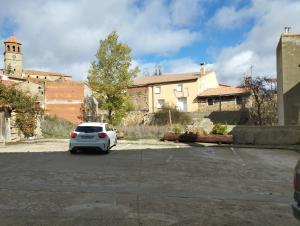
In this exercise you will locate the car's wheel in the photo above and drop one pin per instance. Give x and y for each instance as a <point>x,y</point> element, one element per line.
<point>73,151</point>
<point>107,148</point>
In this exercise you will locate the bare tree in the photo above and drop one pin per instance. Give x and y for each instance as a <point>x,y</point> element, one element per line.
<point>263,109</point>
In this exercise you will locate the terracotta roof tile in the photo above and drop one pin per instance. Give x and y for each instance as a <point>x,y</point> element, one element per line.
<point>150,80</point>
<point>223,90</point>
<point>7,83</point>
<point>45,73</point>
<point>12,39</point>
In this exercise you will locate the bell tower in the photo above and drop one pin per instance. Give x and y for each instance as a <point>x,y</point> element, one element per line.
<point>13,57</point>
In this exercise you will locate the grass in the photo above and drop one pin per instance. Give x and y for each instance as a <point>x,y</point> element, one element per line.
<point>143,132</point>
<point>53,127</point>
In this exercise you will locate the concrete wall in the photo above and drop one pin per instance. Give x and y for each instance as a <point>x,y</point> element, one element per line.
<point>288,78</point>
<point>268,135</point>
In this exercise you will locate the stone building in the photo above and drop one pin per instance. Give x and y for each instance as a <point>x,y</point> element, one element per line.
<point>288,78</point>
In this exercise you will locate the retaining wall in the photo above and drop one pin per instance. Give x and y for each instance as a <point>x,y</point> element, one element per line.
<point>269,135</point>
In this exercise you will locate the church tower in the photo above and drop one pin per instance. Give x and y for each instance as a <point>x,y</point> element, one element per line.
<point>13,57</point>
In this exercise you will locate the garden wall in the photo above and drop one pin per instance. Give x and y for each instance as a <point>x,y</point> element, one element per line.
<point>269,135</point>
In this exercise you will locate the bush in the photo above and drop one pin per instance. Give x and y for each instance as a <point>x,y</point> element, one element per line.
<point>219,129</point>
<point>162,117</point>
<point>177,129</point>
<point>143,132</point>
<point>53,127</point>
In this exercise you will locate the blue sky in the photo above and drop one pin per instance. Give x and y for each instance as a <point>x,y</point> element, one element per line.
<point>229,36</point>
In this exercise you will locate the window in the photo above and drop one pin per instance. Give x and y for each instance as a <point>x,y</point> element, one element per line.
<point>210,101</point>
<point>8,48</point>
<point>37,76</point>
<point>179,88</point>
<point>239,100</point>
<point>14,48</point>
<point>157,89</point>
<point>89,129</point>
<point>18,49</point>
<point>160,103</point>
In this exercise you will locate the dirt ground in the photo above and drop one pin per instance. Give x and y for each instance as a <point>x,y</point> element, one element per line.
<point>145,184</point>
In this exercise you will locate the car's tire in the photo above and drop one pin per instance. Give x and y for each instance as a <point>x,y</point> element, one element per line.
<point>107,148</point>
<point>73,151</point>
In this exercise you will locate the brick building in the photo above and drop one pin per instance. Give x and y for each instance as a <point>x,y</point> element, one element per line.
<point>56,92</point>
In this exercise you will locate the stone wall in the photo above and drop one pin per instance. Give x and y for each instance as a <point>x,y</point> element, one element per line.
<point>139,97</point>
<point>229,103</point>
<point>268,135</point>
<point>11,133</point>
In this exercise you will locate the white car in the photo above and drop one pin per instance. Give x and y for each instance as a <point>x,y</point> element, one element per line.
<point>92,135</point>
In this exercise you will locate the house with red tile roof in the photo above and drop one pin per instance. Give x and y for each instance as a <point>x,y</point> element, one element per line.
<point>188,92</point>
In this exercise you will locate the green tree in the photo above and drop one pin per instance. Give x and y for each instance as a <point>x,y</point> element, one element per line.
<point>25,106</point>
<point>110,75</point>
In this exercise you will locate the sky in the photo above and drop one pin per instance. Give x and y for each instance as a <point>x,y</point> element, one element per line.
<point>230,36</point>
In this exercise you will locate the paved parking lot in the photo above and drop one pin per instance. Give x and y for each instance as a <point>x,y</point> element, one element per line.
<point>145,184</point>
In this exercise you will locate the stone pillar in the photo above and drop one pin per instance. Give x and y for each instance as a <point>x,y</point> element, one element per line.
<point>288,79</point>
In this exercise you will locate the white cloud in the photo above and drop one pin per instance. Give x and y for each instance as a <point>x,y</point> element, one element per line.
<point>259,47</point>
<point>185,12</point>
<point>179,65</point>
<point>65,34</point>
<point>228,17</point>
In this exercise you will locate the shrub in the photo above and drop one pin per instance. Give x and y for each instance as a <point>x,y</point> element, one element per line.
<point>177,129</point>
<point>219,129</point>
<point>24,105</point>
<point>53,127</point>
<point>143,132</point>
<point>162,117</point>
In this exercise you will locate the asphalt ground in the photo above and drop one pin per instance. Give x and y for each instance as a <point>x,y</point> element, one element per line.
<point>145,184</point>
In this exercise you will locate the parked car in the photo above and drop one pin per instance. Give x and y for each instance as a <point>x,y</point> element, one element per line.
<point>296,203</point>
<point>92,135</point>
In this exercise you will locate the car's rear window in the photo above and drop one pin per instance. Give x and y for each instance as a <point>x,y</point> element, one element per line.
<point>89,129</point>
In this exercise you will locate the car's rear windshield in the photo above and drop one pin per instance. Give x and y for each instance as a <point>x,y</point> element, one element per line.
<point>89,129</point>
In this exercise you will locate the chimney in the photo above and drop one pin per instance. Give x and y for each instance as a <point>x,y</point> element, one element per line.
<point>287,29</point>
<point>202,69</point>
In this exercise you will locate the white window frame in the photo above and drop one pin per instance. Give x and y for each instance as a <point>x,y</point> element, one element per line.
<point>179,88</point>
<point>160,103</point>
<point>157,89</point>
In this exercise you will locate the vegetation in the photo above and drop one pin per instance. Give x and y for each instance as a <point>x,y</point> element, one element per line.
<point>53,127</point>
<point>143,132</point>
<point>264,105</point>
<point>110,75</point>
<point>219,129</point>
<point>25,106</point>
<point>177,129</point>
<point>162,117</point>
